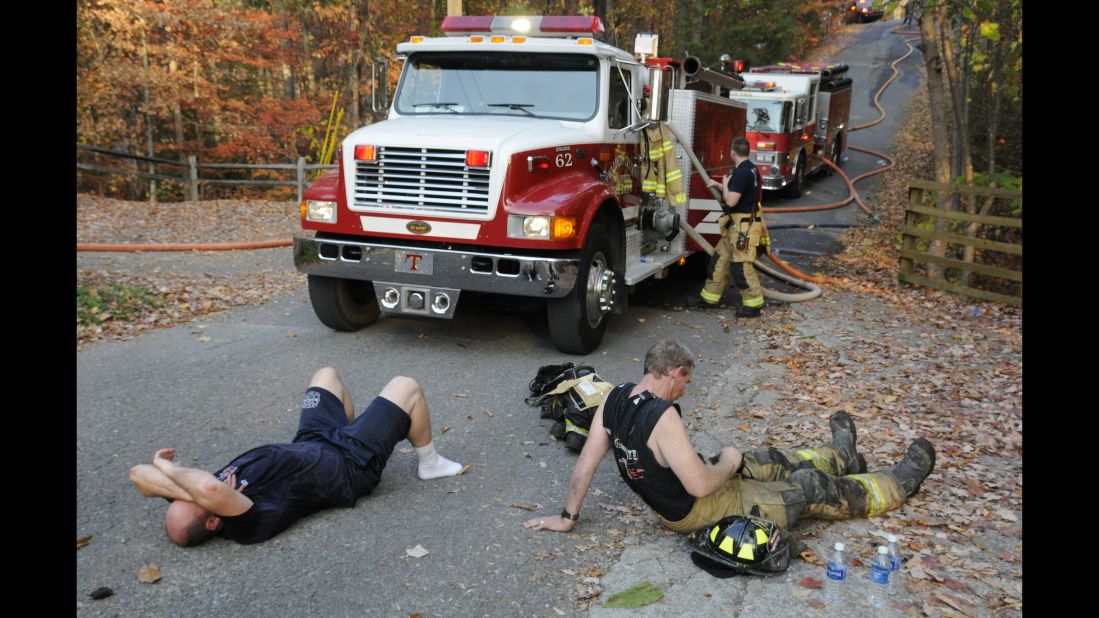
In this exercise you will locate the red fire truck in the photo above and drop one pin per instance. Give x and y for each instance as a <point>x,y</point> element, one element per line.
<point>797,115</point>
<point>511,163</point>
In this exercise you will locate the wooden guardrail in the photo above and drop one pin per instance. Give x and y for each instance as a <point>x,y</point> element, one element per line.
<point>189,174</point>
<point>911,254</point>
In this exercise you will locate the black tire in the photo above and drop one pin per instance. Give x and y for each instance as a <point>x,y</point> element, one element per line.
<point>793,190</point>
<point>577,321</point>
<point>343,304</point>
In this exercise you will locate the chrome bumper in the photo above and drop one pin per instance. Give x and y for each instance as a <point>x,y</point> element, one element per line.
<point>499,273</point>
<point>776,182</point>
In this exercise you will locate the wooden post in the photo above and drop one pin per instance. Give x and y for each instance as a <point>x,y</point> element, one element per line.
<point>301,178</point>
<point>192,178</point>
<point>915,198</point>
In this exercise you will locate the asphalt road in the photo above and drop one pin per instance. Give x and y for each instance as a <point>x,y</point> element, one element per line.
<point>216,388</point>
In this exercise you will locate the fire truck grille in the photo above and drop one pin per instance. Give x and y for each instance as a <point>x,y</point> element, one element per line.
<point>421,179</point>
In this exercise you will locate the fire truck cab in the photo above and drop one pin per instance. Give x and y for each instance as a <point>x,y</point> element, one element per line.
<point>511,163</point>
<point>797,116</point>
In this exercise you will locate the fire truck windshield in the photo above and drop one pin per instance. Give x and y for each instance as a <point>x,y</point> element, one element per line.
<point>765,116</point>
<point>560,86</point>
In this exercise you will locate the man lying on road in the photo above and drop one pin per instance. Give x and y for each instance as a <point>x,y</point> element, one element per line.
<point>333,459</point>
<point>656,459</point>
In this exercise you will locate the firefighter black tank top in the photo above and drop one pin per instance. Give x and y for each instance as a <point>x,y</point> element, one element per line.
<point>629,421</point>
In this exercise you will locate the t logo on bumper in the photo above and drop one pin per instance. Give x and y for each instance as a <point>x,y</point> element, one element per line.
<point>419,263</point>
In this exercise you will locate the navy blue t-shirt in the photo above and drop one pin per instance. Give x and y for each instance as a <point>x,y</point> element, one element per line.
<point>285,482</point>
<point>745,181</point>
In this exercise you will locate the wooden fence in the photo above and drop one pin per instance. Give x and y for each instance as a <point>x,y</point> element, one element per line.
<point>918,218</point>
<point>188,173</point>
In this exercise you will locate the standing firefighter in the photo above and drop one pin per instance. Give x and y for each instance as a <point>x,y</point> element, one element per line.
<point>742,232</point>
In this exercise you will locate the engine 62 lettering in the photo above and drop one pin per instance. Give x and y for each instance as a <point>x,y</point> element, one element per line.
<point>564,159</point>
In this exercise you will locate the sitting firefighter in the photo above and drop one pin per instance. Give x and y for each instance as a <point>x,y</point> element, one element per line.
<point>742,233</point>
<point>688,492</point>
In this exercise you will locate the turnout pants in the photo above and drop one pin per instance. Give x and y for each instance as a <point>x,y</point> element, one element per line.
<point>786,486</point>
<point>728,261</point>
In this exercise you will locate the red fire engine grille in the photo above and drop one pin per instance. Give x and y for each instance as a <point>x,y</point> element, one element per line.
<point>421,179</point>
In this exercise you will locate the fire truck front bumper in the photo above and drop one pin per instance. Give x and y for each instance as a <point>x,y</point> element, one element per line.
<point>773,183</point>
<point>401,272</point>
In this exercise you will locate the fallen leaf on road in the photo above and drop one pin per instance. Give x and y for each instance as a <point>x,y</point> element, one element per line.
<point>809,582</point>
<point>460,395</point>
<point>488,412</point>
<point>815,603</point>
<point>744,427</point>
<point>812,558</point>
<point>101,593</point>
<point>290,335</point>
<point>568,571</point>
<point>558,612</point>
<point>525,506</point>
<point>454,491</point>
<point>542,464</point>
<point>82,541</point>
<point>444,429</point>
<point>640,595</point>
<point>148,574</point>
<point>465,468</point>
<point>416,552</point>
<point>955,603</point>
<point>542,554</point>
<point>203,338</point>
<point>416,615</point>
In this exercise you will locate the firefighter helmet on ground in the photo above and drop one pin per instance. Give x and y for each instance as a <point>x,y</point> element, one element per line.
<point>742,544</point>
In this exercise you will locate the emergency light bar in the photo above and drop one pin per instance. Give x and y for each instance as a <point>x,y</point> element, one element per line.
<point>548,26</point>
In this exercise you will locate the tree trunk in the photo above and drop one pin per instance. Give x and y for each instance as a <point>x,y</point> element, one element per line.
<point>148,118</point>
<point>356,61</point>
<point>177,112</point>
<point>939,137</point>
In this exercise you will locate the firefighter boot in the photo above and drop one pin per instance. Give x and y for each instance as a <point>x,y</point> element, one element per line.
<point>843,442</point>
<point>918,462</point>
<point>747,312</point>
<point>843,497</point>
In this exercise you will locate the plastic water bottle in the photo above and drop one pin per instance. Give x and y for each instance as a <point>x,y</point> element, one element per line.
<point>894,564</point>
<point>837,576</point>
<point>879,578</point>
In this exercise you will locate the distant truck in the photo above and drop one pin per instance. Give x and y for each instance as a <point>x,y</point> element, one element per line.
<point>862,11</point>
<point>511,162</point>
<point>798,115</point>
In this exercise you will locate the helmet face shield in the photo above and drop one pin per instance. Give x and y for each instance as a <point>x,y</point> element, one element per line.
<point>741,544</point>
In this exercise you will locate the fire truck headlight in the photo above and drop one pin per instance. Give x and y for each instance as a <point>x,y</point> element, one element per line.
<point>319,210</point>
<point>541,227</point>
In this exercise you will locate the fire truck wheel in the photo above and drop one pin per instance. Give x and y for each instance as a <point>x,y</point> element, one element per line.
<point>793,189</point>
<point>343,304</point>
<point>577,321</point>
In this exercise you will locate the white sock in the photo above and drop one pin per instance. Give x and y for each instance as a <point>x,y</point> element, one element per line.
<point>433,465</point>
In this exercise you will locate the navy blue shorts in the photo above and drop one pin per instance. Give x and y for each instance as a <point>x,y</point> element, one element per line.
<point>366,443</point>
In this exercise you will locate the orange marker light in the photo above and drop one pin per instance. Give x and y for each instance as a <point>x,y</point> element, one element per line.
<point>584,41</point>
<point>476,39</point>
<point>417,39</point>
<point>765,145</point>
<point>303,210</point>
<point>518,39</point>
<point>564,227</point>
<point>366,153</point>
<point>498,39</point>
<point>478,158</point>
<point>682,261</point>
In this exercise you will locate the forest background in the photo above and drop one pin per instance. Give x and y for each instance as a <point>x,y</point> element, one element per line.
<point>265,81</point>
